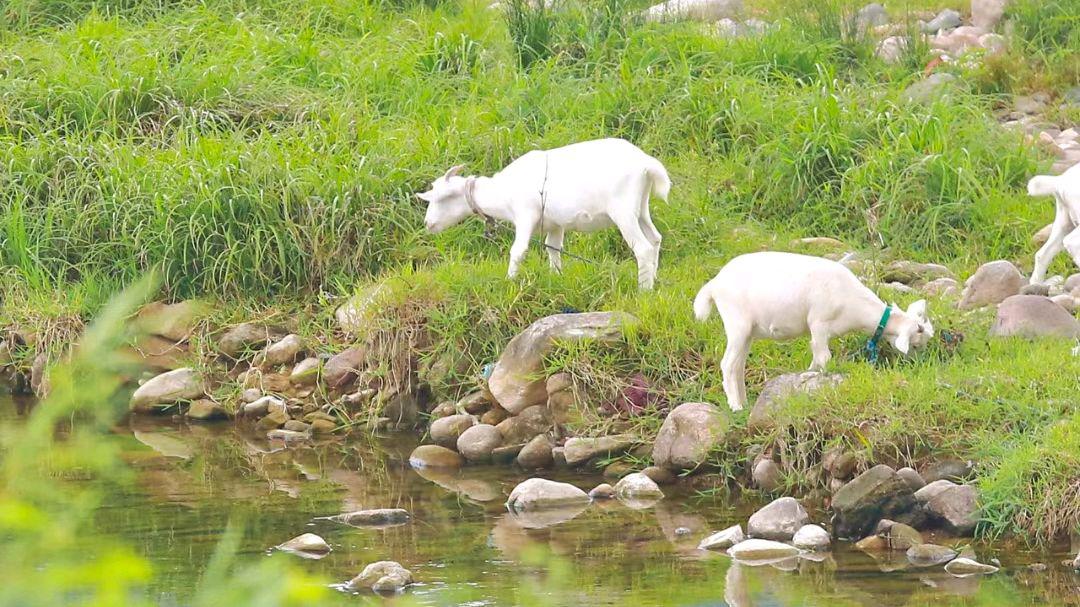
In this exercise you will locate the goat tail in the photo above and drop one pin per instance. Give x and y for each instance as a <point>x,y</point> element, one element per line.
<point>658,179</point>
<point>704,303</point>
<point>1042,185</point>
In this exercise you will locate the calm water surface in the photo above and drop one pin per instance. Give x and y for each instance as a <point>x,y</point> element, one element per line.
<point>192,480</point>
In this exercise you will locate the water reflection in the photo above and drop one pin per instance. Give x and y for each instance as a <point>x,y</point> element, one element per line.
<point>465,548</point>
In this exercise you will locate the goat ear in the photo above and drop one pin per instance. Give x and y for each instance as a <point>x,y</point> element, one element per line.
<point>917,310</point>
<point>424,196</point>
<point>454,171</point>
<point>903,342</point>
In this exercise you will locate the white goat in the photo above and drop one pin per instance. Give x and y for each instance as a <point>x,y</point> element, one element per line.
<point>584,186</point>
<point>783,295</point>
<point>1065,233</point>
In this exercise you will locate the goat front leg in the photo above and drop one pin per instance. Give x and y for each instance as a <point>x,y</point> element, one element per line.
<point>1072,245</point>
<point>819,347</point>
<point>733,365</point>
<point>554,245</point>
<point>522,233</point>
<point>1054,245</point>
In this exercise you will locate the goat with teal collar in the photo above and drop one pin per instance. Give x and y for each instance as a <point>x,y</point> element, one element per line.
<point>782,296</point>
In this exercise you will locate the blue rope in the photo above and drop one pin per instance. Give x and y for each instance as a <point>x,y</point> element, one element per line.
<point>872,345</point>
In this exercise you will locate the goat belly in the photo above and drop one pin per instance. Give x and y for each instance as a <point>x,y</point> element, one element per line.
<point>588,222</point>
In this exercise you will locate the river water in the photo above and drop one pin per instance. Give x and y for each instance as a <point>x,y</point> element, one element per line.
<point>192,480</point>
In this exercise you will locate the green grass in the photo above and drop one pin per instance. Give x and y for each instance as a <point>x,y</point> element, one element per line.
<point>265,153</point>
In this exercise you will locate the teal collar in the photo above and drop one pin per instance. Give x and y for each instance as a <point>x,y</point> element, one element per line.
<point>872,347</point>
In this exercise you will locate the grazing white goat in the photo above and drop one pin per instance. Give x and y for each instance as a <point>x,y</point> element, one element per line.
<point>783,295</point>
<point>584,186</point>
<point>1065,233</point>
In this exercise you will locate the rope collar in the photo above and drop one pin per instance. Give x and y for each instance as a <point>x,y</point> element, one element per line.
<point>470,199</point>
<point>872,345</point>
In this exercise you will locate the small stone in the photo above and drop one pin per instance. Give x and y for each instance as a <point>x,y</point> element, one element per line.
<point>475,403</point>
<point>722,540</point>
<point>928,555</point>
<point>899,536</point>
<point>495,416</point>
<point>343,368</point>
<point>602,491</point>
<point>766,475</point>
<point>942,287</point>
<point>251,395</point>
<point>306,372</point>
<point>280,352</point>
<point>523,427</point>
<point>689,433</point>
<point>872,543</point>
<point>245,337</point>
<point>445,431</point>
<point>1034,316</point>
<point>910,272</point>
<point>262,406</point>
<point>637,486</point>
<point>987,13</point>
<point>956,508</point>
<point>434,456</point>
<point>323,426</point>
<point>929,89</point>
<point>308,542</point>
<point>811,537</point>
<point>779,520</point>
<point>477,442</point>
<point>871,15</point>
<point>963,567</point>
<point>875,494</point>
<point>505,455</point>
<point>761,550</point>
<point>952,469</point>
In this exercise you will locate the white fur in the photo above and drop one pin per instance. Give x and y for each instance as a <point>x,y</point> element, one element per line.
<point>1065,233</point>
<point>783,296</point>
<point>584,186</point>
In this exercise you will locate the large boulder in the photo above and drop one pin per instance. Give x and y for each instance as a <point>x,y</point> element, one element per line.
<point>167,389</point>
<point>992,283</point>
<point>517,382</point>
<point>446,430</point>
<point>1033,316</point>
<point>779,389</point>
<point>540,493</point>
<point>700,10</point>
<point>477,442</point>
<point>175,321</point>
<point>688,434</point>
<point>579,450</point>
<point>875,494</point>
<point>779,520</point>
<point>954,507</point>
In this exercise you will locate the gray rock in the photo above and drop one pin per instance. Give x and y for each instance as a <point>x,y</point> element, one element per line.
<point>251,395</point>
<point>280,352</point>
<point>1040,289</point>
<point>928,555</point>
<point>928,89</point>
<point>540,493</point>
<point>167,389</point>
<point>779,389</point>
<point>699,10</point>
<point>911,272</point>
<point>506,454</point>
<point>689,433</point>
<point>377,517</point>
<point>942,287</point>
<point>946,19</point>
<point>262,406</point>
<point>1067,302</point>
<point>445,431</point>
<point>288,436</point>
<point>175,322</point>
<point>779,520</point>
<point>525,426</point>
<point>811,537</point>
<point>579,450</point>
<point>343,368</point>
<point>987,13</point>
<point>1029,104</point>
<point>603,491</point>
<point>637,486</point>
<point>963,567</point>
<point>898,536</point>
<point>956,508</point>
<point>992,283</point>
<point>1072,283</point>
<point>536,453</point>
<point>931,490</point>
<point>660,476</point>
<point>382,576</point>
<point>891,50</point>
<point>517,381</point>
<point>296,425</point>
<point>766,475</point>
<point>434,456</point>
<point>1033,316</point>
<point>761,550</point>
<point>912,478</point>
<point>722,540</point>
<point>306,372</point>
<point>206,410</point>
<point>870,16</point>
<point>477,442</point>
<point>875,494</point>
<point>308,542</point>
<point>952,469</point>
<point>248,336</point>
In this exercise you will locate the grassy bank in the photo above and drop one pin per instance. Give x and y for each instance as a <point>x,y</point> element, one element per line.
<point>265,154</point>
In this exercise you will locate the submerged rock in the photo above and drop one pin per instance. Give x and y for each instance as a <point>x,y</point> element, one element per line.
<point>1033,316</point>
<point>382,576</point>
<point>377,517</point>
<point>899,536</point>
<point>434,456</point>
<point>992,283</point>
<point>540,493</point>
<point>779,520</point>
<point>722,540</point>
<point>875,494</point>
<point>761,550</point>
<point>963,567</point>
<point>579,450</point>
<point>688,434</point>
<point>811,537</point>
<point>517,382</point>
<point>167,389</point>
<point>928,555</point>
<point>307,543</point>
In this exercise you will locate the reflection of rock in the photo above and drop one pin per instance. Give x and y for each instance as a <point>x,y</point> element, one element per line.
<point>736,592</point>
<point>476,489</point>
<point>680,528</point>
<point>166,444</point>
<point>548,517</point>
